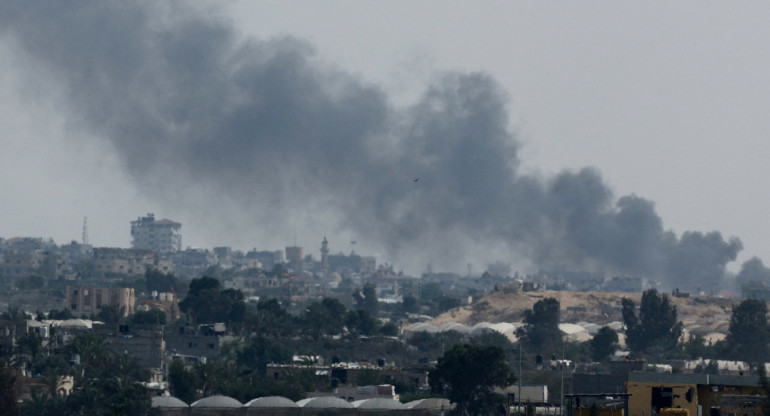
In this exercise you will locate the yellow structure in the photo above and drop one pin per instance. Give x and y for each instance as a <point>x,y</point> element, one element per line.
<point>86,300</point>
<point>698,394</point>
<point>674,412</point>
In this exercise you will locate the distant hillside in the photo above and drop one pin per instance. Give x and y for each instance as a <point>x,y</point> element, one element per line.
<point>700,314</point>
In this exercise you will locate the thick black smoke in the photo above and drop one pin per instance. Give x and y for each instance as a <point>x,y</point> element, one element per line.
<point>753,270</point>
<point>263,137</point>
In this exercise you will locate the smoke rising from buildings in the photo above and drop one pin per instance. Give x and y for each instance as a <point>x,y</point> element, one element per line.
<point>264,137</point>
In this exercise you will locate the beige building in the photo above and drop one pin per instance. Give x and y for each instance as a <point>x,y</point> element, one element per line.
<point>161,236</point>
<point>699,394</point>
<point>18,264</point>
<point>89,300</point>
<point>110,261</point>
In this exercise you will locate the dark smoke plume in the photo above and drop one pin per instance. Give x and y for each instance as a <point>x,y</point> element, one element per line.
<point>263,138</point>
<point>752,271</point>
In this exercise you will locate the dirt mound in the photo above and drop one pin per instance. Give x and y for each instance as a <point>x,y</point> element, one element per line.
<point>699,314</point>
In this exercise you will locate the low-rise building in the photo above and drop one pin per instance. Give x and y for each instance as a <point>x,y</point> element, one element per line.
<point>90,300</point>
<point>16,264</point>
<point>699,394</point>
<point>193,262</point>
<point>116,262</point>
<point>168,302</point>
<point>203,341</point>
<point>145,343</point>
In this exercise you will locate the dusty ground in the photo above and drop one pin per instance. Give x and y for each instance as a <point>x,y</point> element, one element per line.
<point>699,314</point>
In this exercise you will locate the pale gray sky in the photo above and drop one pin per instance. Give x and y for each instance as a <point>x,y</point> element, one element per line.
<point>666,100</point>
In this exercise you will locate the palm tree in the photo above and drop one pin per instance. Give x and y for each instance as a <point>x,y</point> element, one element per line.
<point>95,354</point>
<point>53,381</point>
<point>14,313</point>
<point>30,344</point>
<point>37,405</point>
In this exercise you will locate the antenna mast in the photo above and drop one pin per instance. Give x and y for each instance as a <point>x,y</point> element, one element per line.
<point>85,231</point>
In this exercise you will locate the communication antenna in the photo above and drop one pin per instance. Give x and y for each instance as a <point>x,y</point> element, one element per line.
<point>85,231</point>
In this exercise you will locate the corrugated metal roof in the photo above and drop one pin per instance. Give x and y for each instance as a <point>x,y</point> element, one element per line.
<point>702,379</point>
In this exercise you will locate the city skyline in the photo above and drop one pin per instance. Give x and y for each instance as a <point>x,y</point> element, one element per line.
<point>666,109</point>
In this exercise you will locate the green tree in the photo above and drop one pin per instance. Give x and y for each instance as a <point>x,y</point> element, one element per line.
<point>360,322</point>
<point>467,374</point>
<point>272,319</point>
<point>409,305</point>
<point>7,389</point>
<point>94,354</point>
<point>492,338</point>
<point>110,314</point>
<point>158,281</point>
<point>656,325</point>
<point>541,329</point>
<point>60,314</point>
<point>182,383</point>
<point>324,318</point>
<point>14,313</point>
<point>749,333</point>
<point>201,299</point>
<point>695,347</point>
<point>108,383</point>
<point>207,304</point>
<point>29,346</point>
<point>259,352</point>
<point>604,343</point>
<point>37,405</point>
<point>389,329</point>
<point>366,299</point>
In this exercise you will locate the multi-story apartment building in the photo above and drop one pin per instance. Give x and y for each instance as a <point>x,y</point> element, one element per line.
<point>88,300</point>
<point>16,264</point>
<point>160,236</point>
<point>111,262</point>
<point>193,262</point>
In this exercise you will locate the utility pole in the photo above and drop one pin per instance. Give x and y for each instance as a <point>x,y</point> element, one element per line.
<point>561,403</point>
<point>520,377</point>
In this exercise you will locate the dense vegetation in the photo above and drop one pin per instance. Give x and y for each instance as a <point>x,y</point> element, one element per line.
<point>353,326</point>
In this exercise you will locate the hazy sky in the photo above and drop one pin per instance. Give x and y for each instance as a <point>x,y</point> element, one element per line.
<point>668,102</point>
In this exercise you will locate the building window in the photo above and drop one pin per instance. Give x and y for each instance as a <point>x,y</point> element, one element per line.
<point>662,398</point>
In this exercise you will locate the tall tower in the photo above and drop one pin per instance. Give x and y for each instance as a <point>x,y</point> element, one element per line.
<point>85,231</point>
<point>294,258</point>
<point>325,258</point>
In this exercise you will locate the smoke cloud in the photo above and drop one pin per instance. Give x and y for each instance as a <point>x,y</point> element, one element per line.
<point>753,270</point>
<point>264,138</point>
